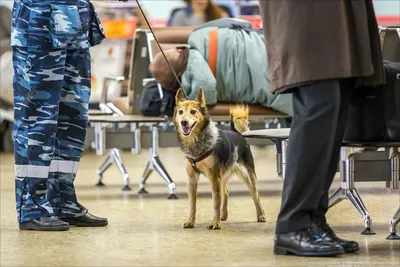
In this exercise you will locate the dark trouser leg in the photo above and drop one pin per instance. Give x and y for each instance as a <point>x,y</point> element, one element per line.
<point>346,87</point>
<point>316,111</point>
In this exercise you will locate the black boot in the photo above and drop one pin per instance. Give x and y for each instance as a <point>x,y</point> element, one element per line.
<point>44,224</point>
<point>305,243</point>
<point>329,235</point>
<point>87,220</point>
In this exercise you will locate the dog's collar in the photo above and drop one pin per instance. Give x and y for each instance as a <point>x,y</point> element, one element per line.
<point>193,161</point>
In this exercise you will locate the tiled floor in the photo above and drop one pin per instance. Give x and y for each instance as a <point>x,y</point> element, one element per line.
<point>148,230</point>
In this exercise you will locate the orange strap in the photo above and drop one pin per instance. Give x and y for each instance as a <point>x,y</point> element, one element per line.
<point>212,51</point>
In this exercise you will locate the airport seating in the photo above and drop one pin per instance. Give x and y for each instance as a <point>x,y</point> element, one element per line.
<point>359,162</point>
<point>143,50</point>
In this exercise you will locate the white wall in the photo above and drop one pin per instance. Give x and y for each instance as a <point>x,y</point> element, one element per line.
<point>8,3</point>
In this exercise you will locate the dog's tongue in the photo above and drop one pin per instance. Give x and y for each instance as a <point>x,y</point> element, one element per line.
<point>186,129</point>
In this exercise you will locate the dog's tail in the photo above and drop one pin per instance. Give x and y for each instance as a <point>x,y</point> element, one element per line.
<point>239,118</point>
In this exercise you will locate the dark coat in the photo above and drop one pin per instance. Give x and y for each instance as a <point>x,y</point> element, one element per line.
<point>310,40</point>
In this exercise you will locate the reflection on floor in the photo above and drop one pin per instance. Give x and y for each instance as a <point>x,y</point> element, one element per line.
<point>148,230</point>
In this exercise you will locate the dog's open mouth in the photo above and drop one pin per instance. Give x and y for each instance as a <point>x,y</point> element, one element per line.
<point>186,130</point>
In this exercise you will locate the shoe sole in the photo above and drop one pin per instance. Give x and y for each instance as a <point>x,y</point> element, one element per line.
<point>88,224</point>
<point>352,250</point>
<point>287,251</point>
<point>32,227</point>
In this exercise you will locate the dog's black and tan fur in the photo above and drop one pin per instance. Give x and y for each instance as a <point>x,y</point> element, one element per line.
<point>216,153</point>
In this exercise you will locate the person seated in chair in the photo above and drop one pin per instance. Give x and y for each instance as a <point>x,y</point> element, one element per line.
<point>222,60</point>
<point>196,13</point>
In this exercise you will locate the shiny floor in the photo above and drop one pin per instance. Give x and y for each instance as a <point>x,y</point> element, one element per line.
<point>148,230</point>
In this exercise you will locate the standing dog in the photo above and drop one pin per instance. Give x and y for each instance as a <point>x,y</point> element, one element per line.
<point>215,153</point>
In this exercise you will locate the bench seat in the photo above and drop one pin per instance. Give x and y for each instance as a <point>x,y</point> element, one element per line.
<point>220,109</point>
<point>126,119</point>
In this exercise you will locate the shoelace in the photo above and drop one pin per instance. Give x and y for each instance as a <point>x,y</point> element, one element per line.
<point>315,235</point>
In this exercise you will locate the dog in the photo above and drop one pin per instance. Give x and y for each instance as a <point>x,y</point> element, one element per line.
<point>218,154</point>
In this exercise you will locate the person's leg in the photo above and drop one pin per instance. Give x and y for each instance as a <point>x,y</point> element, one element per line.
<point>319,217</point>
<point>37,85</point>
<point>346,87</point>
<point>70,141</point>
<point>316,109</point>
<point>71,133</point>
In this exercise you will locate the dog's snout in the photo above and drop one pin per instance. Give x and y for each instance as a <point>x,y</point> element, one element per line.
<point>185,123</point>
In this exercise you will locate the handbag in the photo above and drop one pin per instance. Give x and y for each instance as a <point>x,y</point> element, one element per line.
<point>374,111</point>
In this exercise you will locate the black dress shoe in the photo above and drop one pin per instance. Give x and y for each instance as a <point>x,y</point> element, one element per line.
<point>44,224</point>
<point>87,220</point>
<point>305,243</point>
<point>328,234</point>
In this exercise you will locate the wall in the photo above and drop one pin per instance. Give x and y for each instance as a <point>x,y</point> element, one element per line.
<point>160,9</point>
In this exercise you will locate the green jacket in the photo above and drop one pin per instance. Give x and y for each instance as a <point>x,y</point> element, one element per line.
<point>241,74</point>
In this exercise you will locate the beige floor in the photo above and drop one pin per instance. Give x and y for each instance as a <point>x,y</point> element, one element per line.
<point>148,230</point>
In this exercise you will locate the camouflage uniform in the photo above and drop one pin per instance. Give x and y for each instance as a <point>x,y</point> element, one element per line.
<point>51,41</point>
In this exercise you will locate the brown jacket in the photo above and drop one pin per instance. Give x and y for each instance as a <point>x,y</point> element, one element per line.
<point>310,40</point>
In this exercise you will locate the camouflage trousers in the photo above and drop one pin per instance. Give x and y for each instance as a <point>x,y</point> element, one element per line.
<point>51,96</point>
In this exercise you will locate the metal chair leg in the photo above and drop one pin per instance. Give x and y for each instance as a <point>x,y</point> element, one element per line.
<point>284,144</point>
<point>348,190</point>
<point>358,197</point>
<point>392,226</point>
<point>121,167</point>
<point>147,172</point>
<point>278,145</point>
<point>155,164</point>
<point>103,167</point>
<point>114,157</point>
<point>336,197</point>
<point>159,167</point>
<point>395,167</point>
<point>353,196</point>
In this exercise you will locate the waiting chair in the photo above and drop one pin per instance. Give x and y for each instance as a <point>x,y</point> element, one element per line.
<point>106,129</point>
<point>144,49</point>
<point>357,164</point>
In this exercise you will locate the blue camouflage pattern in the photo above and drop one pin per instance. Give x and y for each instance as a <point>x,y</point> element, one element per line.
<point>51,60</point>
<point>46,24</point>
<point>51,96</point>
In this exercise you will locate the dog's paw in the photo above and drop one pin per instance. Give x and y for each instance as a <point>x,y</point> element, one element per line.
<point>224,217</point>
<point>188,224</point>
<point>214,226</point>
<point>261,218</point>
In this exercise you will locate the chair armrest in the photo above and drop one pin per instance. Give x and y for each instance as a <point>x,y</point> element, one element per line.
<point>160,91</point>
<point>106,83</point>
<point>147,80</point>
<point>114,109</point>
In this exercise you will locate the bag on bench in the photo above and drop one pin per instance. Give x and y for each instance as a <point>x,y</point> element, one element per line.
<point>374,112</point>
<point>151,103</point>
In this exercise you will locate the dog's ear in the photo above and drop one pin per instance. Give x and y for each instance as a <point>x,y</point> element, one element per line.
<point>179,97</point>
<point>200,98</point>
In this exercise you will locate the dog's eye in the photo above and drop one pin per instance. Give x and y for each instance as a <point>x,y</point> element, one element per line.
<point>180,112</point>
<point>193,112</point>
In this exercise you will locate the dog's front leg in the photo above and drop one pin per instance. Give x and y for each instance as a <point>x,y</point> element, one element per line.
<point>192,194</point>
<point>216,186</point>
